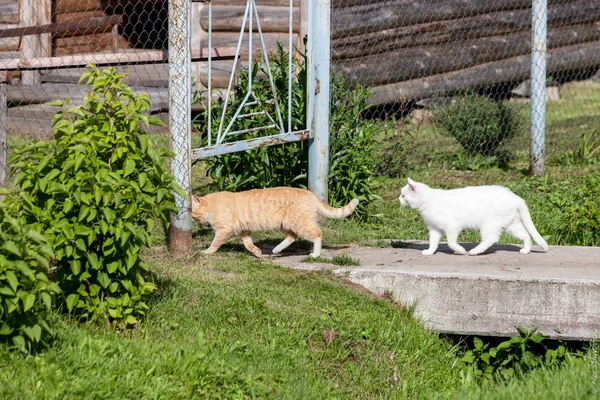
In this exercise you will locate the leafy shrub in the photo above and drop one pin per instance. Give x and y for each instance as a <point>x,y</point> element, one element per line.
<point>26,293</point>
<point>479,124</point>
<point>518,355</point>
<point>351,160</point>
<point>96,189</point>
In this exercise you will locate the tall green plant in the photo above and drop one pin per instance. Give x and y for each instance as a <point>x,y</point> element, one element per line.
<point>96,190</point>
<point>26,293</point>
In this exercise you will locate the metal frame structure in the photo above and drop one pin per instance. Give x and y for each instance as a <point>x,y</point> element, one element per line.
<point>318,63</point>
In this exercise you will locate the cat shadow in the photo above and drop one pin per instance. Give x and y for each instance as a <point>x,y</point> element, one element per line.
<point>266,246</point>
<point>443,247</point>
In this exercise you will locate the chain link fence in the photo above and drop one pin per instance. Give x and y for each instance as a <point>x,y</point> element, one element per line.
<point>45,45</point>
<point>451,79</point>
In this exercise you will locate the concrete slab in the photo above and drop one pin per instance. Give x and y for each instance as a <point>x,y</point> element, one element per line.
<point>558,292</point>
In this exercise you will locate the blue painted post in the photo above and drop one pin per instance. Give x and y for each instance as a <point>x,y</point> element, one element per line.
<point>538,88</point>
<point>318,89</point>
<point>180,72</point>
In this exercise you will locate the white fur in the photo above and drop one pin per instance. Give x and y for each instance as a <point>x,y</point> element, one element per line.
<point>490,209</point>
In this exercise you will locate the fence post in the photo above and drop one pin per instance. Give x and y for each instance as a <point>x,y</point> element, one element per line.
<point>180,67</point>
<point>538,87</point>
<point>3,135</point>
<point>318,90</point>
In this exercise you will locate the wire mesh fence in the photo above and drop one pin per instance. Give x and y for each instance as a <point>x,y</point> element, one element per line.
<point>451,79</point>
<point>58,37</point>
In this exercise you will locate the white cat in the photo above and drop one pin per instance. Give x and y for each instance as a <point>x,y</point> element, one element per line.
<point>491,209</point>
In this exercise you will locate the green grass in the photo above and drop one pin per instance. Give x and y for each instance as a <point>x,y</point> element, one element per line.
<point>338,259</point>
<point>235,326</point>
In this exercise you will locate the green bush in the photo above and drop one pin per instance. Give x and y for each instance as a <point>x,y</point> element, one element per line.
<point>351,138</point>
<point>481,125</point>
<point>26,293</point>
<point>515,356</point>
<point>96,189</point>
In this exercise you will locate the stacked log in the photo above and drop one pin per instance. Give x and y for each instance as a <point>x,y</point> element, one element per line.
<point>90,40</point>
<point>409,49</point>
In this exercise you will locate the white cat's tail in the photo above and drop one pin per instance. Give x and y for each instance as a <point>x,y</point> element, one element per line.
<point>526,219</point>
<point>331,212</point>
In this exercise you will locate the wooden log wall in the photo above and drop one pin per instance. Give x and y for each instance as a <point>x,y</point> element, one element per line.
<point>410,49</point>
<point>91,40</point>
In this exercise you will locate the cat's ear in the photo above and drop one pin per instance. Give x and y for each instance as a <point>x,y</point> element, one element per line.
<point>197,201</point>
<point>411,185</point>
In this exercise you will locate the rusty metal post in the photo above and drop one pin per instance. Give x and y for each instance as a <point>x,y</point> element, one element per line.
<point>319,58</point>
<point>180,72</point>
<point>3,135</point>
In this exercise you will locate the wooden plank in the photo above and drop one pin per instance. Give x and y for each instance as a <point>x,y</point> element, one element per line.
<point>415,62</point>
<point>31,46</point>
<point>96,42</point>
<point>250,144</point>
<point>230,39</point>
<point>9,44</point>
<point>492,24</point>
<point>103,59</point>
<point>77,16</point>
<point>69,6</point>
<point>272,19</point>
<point>71,28</point>
<point>9,13</point>
<point>564,59</point>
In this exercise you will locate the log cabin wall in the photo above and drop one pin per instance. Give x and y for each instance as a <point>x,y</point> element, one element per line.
<point>408,49</point>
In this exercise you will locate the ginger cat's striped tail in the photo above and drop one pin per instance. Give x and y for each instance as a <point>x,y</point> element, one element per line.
<point>331,212</point>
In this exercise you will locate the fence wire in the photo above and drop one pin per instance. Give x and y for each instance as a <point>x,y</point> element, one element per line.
<point>47,33</point>
<point>433,66</point>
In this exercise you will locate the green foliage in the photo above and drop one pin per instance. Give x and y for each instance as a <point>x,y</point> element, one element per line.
<point>479,124</point>
<point>351,138</point>
<point>26,293</point>
<point>576,199</point>
<point>96,190</point>
<point>516,356</point>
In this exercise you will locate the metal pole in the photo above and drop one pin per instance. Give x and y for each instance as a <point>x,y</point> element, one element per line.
<point>538,88</point>
<point>3,136</point>
<point>180,72</point>
<point>318,87</point>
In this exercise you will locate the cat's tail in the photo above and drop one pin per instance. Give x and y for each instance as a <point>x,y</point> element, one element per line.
<point>331,212</point>
<point>526,219</point>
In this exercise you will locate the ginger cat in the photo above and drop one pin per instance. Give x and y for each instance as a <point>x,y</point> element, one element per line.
<point>293,211</point>
<point>490,209</point>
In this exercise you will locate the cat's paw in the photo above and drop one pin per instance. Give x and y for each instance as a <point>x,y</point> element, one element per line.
<point>462,252</point>
<point>474,252</point>
<point>257,253</point>
<point>428,252</point>
<point>208,251</point>
<point>315,255</point>
<point>525,251</point>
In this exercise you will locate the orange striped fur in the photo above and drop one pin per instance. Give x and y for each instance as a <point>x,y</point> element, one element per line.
<point>295,212</point>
